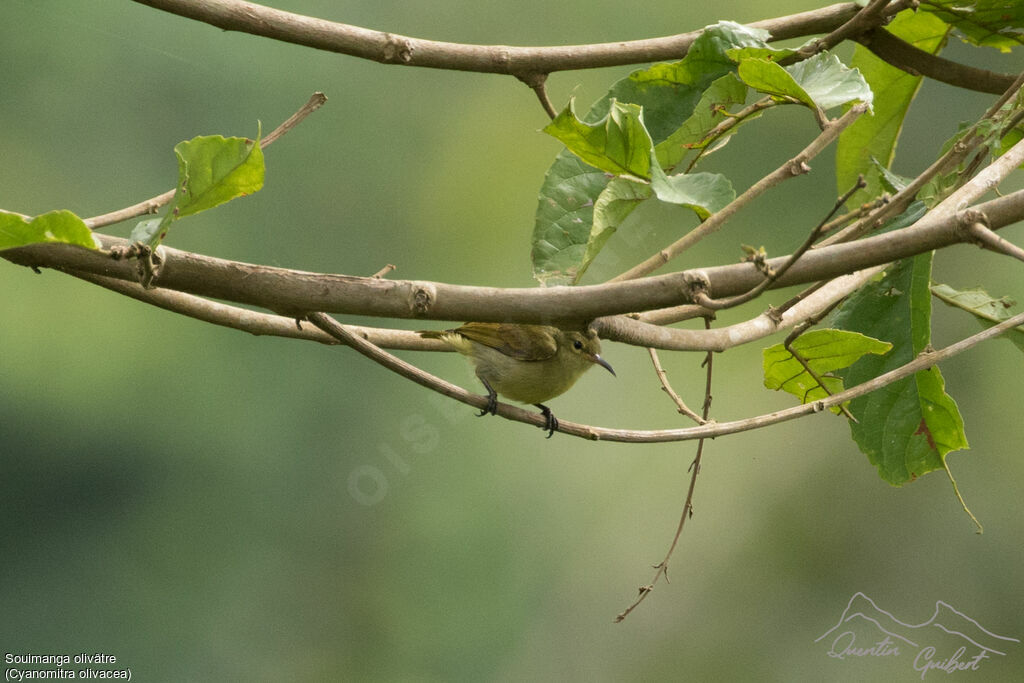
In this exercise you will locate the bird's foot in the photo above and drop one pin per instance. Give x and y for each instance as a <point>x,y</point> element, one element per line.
<point>550,421</point>
<point>492,403</point>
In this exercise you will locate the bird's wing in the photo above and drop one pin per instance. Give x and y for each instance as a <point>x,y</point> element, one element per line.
<point>525,342</point>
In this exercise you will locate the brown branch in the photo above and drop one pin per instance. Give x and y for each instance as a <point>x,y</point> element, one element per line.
<point>774,274</point>
<point>788,345</point>
<point>295,292</point>
<point>152,204</point>
<point>391,48</point>
<point>916,62</point>
<point>727,124</point>
<point>537,83</point>
<point>872,16</point>
<point>661,569</point>
<point>255,322</point>
<point>990,240</point>
<point>628,330</point>
<point>667,388</point>
<point>710,430</point>
<point>959,199</point>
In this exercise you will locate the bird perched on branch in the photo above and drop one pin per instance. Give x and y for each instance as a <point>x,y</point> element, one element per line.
<point>526,363</point>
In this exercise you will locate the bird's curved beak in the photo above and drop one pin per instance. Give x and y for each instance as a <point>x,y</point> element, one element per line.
<point>603,363</point>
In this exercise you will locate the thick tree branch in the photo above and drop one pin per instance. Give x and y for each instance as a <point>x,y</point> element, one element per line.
<point>629,330</point>
<point>255,322</point>
<point>917,62</point>
<point>390,48</point>
<point>295,292</point>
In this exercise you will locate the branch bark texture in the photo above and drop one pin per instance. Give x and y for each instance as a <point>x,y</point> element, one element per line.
<point>295,292</point>
<point>391,48</point>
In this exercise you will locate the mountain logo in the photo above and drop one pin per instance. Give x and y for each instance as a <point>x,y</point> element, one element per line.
<point>949,641</point>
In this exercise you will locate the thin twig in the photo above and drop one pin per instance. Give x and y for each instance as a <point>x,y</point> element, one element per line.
<point>774,274</point>
<point>727,124</point>
<point>788,345</point>
<point>315,101</point>
<point>667,388</point>
<point>872,16</point>
<point>847,218</point>
<point>384,271</point>
<point>899,203</point>
<point>537,83</point>
<point>711,430</point>
<point>994,242</point>
<point>792,168</point>
<point>152,204</point>
<point>661,569</point>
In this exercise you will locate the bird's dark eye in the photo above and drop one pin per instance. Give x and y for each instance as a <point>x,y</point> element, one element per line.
<point>578,345</point>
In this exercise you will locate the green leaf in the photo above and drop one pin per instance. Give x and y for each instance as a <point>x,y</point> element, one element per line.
<point>908,427</point>
<point>874,135</point>
<point>213,170</point>
<point>772,54</point>
<point>56,226</point>
<point>613,205</point>
<point>990,134</point>
<point>712,109</point>
<point>830,83</point>
<point>988,310</point>
<point>989,23</point>
<point>821,81</point>
<point>668,94</point>
<point>709,57</point>
<point>565,214</point>
<point>824,351</point>
<point>618,143</point>
<point>149,230</point>
<point>704,193</point>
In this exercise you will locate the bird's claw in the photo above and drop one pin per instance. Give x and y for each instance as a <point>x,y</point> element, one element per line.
<point>550,421</point>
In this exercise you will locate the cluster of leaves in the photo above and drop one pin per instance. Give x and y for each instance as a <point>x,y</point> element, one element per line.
<point>630,147</point>
<point>626,149</point>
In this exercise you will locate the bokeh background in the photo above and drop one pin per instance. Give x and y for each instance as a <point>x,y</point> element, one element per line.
<point>208,505</point>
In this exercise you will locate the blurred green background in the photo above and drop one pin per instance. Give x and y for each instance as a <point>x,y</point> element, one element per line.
<point>207,505</point>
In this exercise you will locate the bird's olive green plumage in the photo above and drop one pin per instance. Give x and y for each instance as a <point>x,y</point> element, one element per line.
<point>527,363</point>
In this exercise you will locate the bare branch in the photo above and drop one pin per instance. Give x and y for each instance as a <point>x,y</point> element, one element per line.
<point>872,16</point>
<point>773,274</point>
<point>667,388</point>
<point>661,569</point>
<point>294,292</point>
<point>947,161</point>
<point>994,242</point>
<point>254,322</point>
<point>917,62</point>
<point>391,48</point>
<point>629,330</point>
<point>537,84</point>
